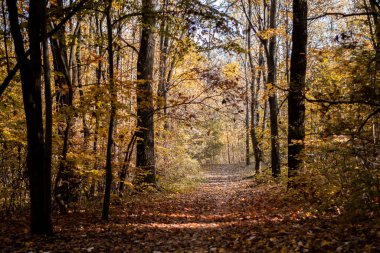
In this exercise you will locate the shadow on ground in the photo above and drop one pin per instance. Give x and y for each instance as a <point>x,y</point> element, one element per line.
<point>226,214</point>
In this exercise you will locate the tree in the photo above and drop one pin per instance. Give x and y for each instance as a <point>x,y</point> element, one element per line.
<point>111,126</point>
<point>270,44</point>
<point>66,180</point>
<point>273,105</point>
<point>296,97</point>
<point>30,70</point>
<point>254,94</point>
<point>145,159</point>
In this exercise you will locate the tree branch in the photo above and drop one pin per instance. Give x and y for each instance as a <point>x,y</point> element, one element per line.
<point>337,102</point>
<point>342,15</point>
<point>13,72</point>
<point>128,44</point>
<point>367,119</point>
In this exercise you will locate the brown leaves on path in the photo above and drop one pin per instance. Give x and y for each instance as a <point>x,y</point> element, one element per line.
<point>226,214</point>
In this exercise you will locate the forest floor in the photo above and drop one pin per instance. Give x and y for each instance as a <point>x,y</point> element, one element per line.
<point>227,213</point>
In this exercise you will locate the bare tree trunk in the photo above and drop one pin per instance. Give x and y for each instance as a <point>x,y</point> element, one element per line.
<point>112,123</point>
<point>247,157</point>
<point>228,146</point>
<point>164,51</point>
<point>254,98</point>
<point>30,70</point>
<point>145,159</point>
<point>98,74</point>
<point>273,106</point>
<point>296,100</point>
<point>65,181</point>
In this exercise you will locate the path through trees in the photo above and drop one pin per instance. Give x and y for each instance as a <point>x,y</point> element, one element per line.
<point>227,213</point>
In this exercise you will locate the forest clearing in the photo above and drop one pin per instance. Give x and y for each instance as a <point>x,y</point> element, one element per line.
<point>189,126</point>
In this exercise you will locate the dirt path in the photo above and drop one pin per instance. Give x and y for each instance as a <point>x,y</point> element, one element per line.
<point>226,214</point>
<point>193,222</point>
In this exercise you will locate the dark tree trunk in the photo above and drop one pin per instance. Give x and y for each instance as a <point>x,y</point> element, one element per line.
<point>273,107</point>
<point>30,70</point>
<point>145,159</point>
<point>296,100</point>
<point>112,123</point>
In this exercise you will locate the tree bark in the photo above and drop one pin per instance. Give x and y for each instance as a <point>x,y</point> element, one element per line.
<point>145,159</point>
<point>65,181</point>
<point>273,107</point>
<point>98,74</point>
<point>296,100</point>
<point>254,98</point>
<point>30,70</point>
<point>247,121</point>
<point>164,51</point>
<point>112,123</point>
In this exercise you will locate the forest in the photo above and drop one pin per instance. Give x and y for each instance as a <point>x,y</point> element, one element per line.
<point>190,126</point>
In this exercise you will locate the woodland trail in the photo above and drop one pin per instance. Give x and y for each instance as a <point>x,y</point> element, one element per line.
<point>227,213</point>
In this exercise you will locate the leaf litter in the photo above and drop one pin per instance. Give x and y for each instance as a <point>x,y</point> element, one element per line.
<point>227,213</point>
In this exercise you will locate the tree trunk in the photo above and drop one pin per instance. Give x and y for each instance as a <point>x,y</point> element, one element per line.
<point>273,107</point>
<point>296,100</point>
<point>30,70</point>
<point>228,146</point>
<point>247,157</point>
<point>254,98</point>
<point>65,180</point>
<point>112,123</point>
<point>145,159</point>
<point>164,51</point>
